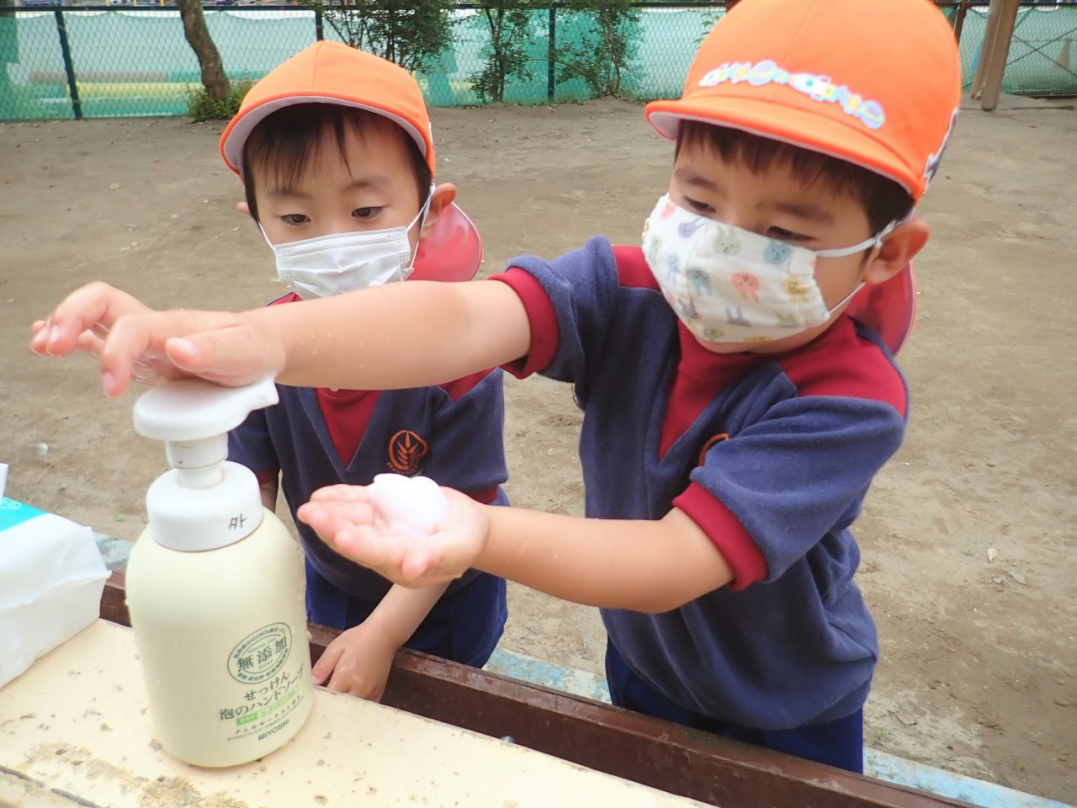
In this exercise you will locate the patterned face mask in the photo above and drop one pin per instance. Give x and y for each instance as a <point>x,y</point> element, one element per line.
<point>732,285</point>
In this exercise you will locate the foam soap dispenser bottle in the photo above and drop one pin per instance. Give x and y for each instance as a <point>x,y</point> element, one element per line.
<point>215,587</point>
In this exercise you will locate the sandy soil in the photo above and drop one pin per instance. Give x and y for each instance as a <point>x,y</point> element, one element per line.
<point>979,656</point>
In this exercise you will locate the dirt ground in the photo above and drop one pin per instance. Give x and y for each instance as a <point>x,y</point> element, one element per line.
<point>979,667</point>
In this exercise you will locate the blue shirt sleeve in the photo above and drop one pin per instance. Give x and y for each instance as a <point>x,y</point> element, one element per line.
<point>582,287</point>
<point>250,444</point>
<point>801,471</point>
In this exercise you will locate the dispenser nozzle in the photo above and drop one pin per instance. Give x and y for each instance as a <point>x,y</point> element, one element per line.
<point>206,502</point>
<point>193,417</point>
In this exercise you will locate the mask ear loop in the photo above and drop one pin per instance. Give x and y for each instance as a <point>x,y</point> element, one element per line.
<point>420,217</point>
<point>866,244</point>
<point>263,232</point>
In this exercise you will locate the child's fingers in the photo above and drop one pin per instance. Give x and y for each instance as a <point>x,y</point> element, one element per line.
<point>415,564</point>
<point>90,343</point>
<point>329,518</point>
<point>341,493</point>
<point>327,663</point>
<point>227,351</point>
<point>40,336</point>
<point>373,548</point>
<point>129,338</point>
<point>339,682</point>
<point>81,311</point>
<point>350,512</point>
<point>137,335</point>
<point>321,519</point>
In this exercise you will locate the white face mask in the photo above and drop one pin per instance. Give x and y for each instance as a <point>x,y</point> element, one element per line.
<point>731,285</point>
<point>343,262</point>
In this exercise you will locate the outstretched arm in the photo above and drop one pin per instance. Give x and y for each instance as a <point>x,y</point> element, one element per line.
<point>389,337</point>
<point>641,565</point>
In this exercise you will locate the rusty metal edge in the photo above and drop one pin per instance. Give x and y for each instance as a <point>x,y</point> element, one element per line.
<point>620,742</point>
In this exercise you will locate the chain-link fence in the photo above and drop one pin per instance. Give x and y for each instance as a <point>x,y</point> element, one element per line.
<point>62,62</point>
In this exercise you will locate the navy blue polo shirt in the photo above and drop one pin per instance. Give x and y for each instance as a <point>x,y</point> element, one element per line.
<point>771,455</point>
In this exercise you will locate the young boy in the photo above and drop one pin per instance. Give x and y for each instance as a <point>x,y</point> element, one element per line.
<point>735,413</point>
<point>337,159</point>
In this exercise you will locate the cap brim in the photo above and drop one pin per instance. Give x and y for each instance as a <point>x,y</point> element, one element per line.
<point>235,135</point>
<point>888,308</point>
<point>451,249</point>
<point>788,123</point>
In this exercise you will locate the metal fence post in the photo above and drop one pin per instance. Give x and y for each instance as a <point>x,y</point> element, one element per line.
<point>551,64</point>
<point>65,49</point>
<point>318,25</point>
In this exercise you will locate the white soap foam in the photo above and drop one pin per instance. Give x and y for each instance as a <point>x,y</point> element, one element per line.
<point>414,505</point>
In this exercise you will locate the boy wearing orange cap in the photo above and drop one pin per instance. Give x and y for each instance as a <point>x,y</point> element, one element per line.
<point>736,375</point>
<point>335,150</point>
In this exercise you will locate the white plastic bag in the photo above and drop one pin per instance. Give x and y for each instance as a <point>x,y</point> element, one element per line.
<point>51,579</point>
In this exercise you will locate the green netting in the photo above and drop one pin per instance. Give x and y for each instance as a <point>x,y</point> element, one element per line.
<point>136,61</point>
<point>1039,62</point>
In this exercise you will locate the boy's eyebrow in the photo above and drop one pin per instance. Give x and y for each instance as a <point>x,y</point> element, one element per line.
<point>373,181</point>
<point>689,177</point>
<point>808,212</point>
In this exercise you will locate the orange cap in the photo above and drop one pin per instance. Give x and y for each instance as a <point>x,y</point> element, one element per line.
<point>873,82</point>
<point>332,73</point>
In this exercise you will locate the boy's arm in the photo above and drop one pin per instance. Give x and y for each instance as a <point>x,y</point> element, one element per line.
<point>359,660</point>
<point>759,503</point>
<point>388,337</point>
<point>393,336</point>
<point>640,565</point>
<point>402,610</point>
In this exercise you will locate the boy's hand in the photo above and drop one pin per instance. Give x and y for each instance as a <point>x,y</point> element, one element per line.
<point>346,519</point>
<point>83,320</point>
<point>357,662</point>
<point>132,341</point>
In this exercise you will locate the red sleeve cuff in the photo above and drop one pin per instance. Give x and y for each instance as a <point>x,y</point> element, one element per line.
<point>727,533</point>
<point>461,387</point>
<point>269,476</point>
<point>485,497</point>
<point>545,334</point>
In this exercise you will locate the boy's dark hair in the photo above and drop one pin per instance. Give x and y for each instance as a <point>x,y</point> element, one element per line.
<point>883,200</point>
<point>288,139</point>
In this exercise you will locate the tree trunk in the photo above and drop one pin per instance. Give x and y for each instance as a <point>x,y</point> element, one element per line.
<point>209,58</point>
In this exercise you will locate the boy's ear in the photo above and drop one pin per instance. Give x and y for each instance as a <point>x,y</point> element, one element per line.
<point>440,199</point>
<point>899,247</point>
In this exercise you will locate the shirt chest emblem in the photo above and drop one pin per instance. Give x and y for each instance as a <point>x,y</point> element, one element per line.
<point>407,451</point>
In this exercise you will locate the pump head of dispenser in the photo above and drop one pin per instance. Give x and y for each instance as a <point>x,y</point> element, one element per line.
<point>204,502</point>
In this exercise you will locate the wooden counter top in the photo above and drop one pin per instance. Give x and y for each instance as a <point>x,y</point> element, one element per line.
<point>74,730</point>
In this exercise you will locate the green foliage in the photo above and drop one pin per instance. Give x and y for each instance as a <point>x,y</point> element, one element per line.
<point>512,26</point>
<point>411,33</point>
<point>710,19</point>
<point>608,35</point>
<point>204,107</point>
